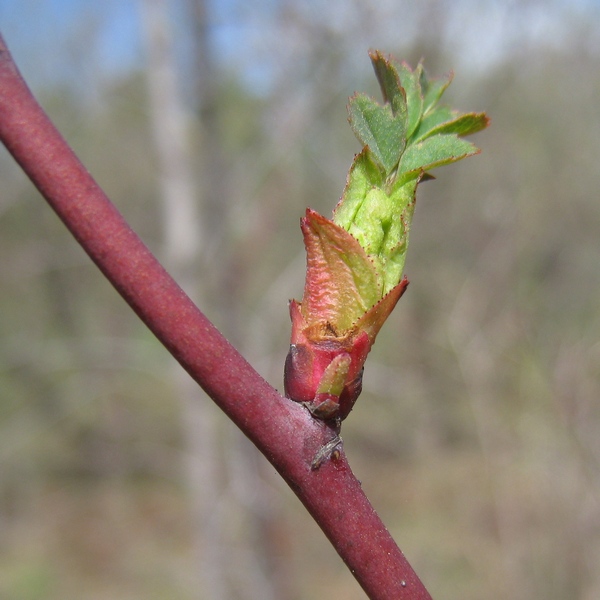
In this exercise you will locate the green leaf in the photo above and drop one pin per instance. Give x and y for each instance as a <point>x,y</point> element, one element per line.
<point>378,220</point>
<point>391,253</point>
<point>389,82</point>
<point>377,127</point>
<point>414,98</point>
<point>373,220</point>
<point>461,125</point>
<point>381,227</point>
<point>364,175</point>
<point>433,90</point>
<point>434,119</point>
<point>402,139</point>
<point>433,152</point>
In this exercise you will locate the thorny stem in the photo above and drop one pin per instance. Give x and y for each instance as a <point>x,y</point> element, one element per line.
<point>284,431</point>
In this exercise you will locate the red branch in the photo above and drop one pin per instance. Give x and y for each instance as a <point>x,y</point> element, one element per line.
<point>283,430</point>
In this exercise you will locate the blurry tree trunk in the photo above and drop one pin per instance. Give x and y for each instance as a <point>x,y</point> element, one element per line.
<point>183,234</point>
<point>261,569</point>
<point>226,485</point>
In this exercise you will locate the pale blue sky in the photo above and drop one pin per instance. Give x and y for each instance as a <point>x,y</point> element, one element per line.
<point>45,36</point>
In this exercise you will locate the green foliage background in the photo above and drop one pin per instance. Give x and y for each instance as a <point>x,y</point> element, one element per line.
<point>476,434</point>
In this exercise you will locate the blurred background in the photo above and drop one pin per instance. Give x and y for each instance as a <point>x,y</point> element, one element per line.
<point>212,125</point>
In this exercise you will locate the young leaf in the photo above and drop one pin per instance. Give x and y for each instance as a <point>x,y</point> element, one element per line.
<point>377,127</point>
<point>372,321</point>
<point>414,96</point>
<point>466,124</point>
<point>389,82</point>
<point>436,117</point>
<point>434,152</point>
<point>392,252</point>
<point>363,176</point>
<point>341,281</point>
<point>433,90</point>
<point>378,216</point>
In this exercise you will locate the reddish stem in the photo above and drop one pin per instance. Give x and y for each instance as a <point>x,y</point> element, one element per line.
<point>283,430</point>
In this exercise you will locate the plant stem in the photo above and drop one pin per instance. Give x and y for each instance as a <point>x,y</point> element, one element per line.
<point>282,430</point>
